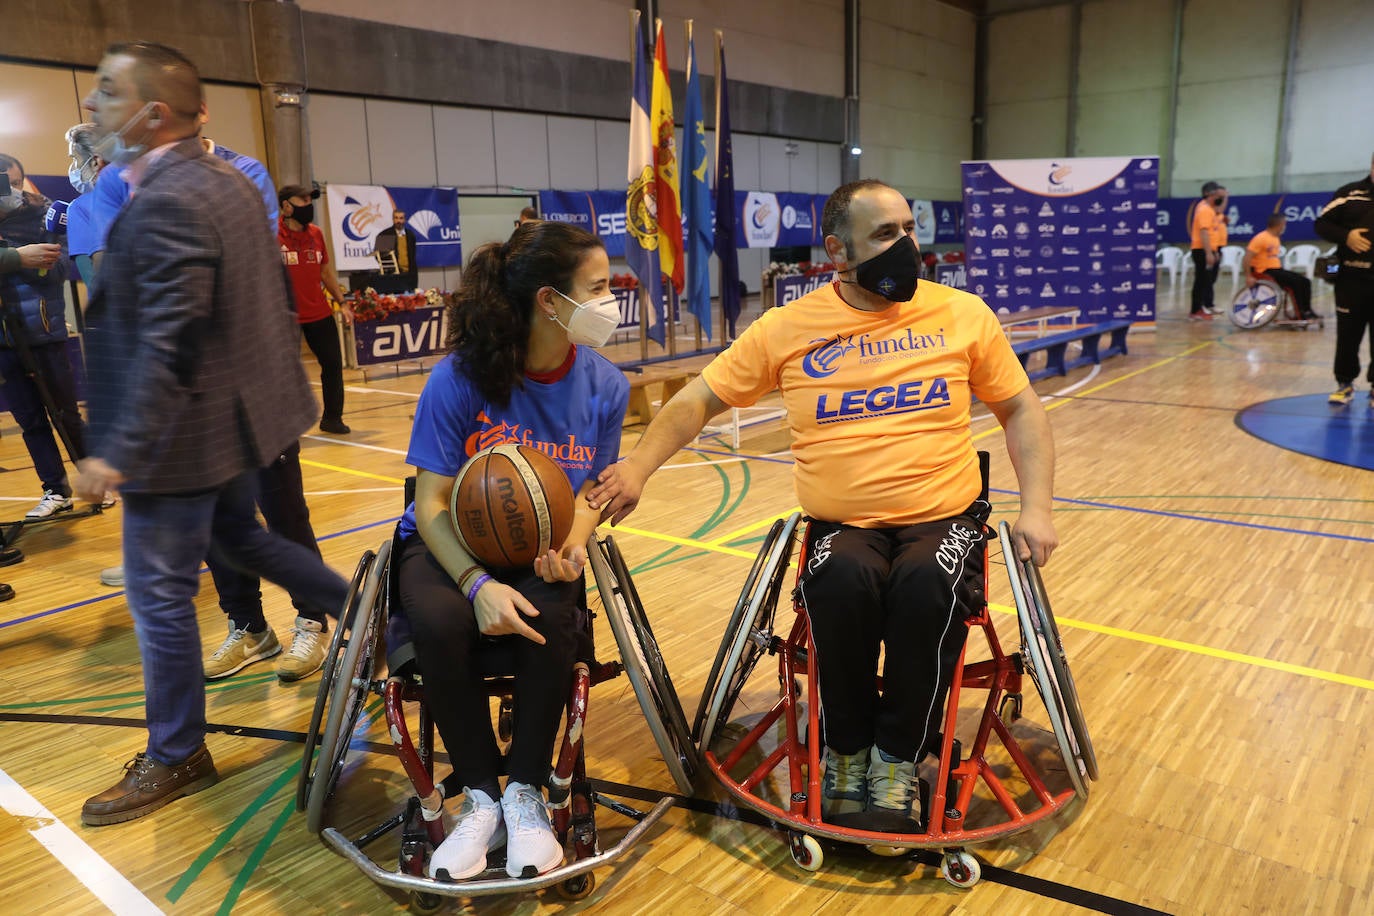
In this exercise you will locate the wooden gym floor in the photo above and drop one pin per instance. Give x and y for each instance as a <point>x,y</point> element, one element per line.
<point>1214,592</point>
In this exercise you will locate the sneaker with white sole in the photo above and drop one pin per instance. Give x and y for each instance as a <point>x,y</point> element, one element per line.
<point>51,504</point>
<point>306,654</point>
<point>480,829</point>
<point>1342,396</point>
<point>239,650</point>
<point>891,783</point>
<point>113,576</point>
<point>844,787</point>
<point>531,847</point>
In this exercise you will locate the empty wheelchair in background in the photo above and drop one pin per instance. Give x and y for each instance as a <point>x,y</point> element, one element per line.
<point>350,676</point>
<point>952,817</point>
<point>1266,302</point>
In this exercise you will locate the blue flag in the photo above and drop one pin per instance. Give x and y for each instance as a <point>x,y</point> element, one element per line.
<point>641,206</point>
<point>725,199</point>
<point>696,196</point>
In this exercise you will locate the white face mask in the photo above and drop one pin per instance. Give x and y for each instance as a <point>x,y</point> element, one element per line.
<point>82,177</point>
<point>112,148</point>
<point>594,321</point>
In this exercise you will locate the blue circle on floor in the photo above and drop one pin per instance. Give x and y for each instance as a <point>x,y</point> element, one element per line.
<point>1310,426</point>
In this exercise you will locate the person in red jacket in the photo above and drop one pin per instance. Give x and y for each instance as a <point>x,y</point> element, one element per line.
<point>306,257</point>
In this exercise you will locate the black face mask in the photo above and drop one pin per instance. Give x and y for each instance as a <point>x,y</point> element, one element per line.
<point>304,214</point>
<point>891,273</point>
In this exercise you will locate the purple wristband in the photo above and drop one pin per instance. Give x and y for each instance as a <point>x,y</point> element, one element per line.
<point>476,586</point>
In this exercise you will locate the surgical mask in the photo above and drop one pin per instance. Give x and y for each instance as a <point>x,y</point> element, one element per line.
<point>304,214</point>
<point>892,272</point>
<point>112,147</point>
<point>76,174</point>
<point>594,321</point>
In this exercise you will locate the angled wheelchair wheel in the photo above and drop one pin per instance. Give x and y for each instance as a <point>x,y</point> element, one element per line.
<point>349,690</point>
<point>337,645</point>
<point>1255,306</point>
<point>749,633</point>
<point>1038,646</point>
<point>643,662</point>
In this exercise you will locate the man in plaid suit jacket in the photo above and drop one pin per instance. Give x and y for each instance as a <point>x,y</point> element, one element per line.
<point>195,384</point>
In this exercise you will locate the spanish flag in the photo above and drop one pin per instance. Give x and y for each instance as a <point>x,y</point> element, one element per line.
<point>665,168</point>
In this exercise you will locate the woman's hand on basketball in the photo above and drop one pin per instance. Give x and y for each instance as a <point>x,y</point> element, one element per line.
<point>501,611</point>
<point>617,491</point>
<point>566,566</point>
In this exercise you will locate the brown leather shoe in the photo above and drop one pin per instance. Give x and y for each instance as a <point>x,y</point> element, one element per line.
<point>148,785</point>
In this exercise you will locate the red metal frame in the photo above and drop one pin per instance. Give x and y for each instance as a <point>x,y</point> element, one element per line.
<point>999,675</point>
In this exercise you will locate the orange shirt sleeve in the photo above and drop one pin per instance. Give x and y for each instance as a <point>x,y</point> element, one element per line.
<point>1203,218</point>
<point>745,372</point>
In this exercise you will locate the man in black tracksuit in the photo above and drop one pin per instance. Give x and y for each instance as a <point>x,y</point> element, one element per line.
<point>1348,220</point>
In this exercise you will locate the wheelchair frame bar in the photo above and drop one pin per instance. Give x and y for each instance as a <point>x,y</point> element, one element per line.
<point>344,847</point>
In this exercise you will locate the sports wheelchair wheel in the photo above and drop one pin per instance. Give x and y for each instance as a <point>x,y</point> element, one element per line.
<point>349,690</point>
<point>749,632</point>
<point>1255,306</point>
<point>1044,654</point>
<point>643,662</point>
<point>327,671</point>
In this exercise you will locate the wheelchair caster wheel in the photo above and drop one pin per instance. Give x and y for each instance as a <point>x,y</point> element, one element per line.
<point>420,902</point>
<point>1010,709</point>
<point>960,869</point>
<point>806,851</point>
<point>503,720</point>
<point>579,888</point>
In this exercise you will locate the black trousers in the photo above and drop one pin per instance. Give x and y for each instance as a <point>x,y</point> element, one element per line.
<point>447,643</point>
<point>27,407</point>
<point>1204,279</point>
<point>908,590</point>
<point>1354,314</point>
<point>281,499</point>
<point>323,339</point>
<point>1297,284</point>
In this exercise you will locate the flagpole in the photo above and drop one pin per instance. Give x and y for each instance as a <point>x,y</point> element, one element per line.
<point>685,141</point>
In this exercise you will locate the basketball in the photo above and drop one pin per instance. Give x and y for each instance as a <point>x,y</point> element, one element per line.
<point>510,504</point>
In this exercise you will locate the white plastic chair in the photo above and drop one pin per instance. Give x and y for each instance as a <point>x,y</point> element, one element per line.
<point>1231,258</point>
<point>1170,259</point>
<point>1302,259</point>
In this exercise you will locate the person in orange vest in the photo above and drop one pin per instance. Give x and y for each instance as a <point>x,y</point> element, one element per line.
<point>1262,260</point>
<point>1208,235</point>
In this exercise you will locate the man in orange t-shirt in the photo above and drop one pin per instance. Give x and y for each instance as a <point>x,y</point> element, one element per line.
<point>1262,259</point>
<point>1208,235</point>
<point>877,375</point>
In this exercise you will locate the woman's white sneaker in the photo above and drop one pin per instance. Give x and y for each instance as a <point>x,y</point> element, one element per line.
<point>479,830</point>
<point>531,848</point>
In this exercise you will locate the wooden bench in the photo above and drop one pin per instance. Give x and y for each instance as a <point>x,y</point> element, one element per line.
<point>1056,347</point>
<point>1040,317</point>
<point>672,378</point>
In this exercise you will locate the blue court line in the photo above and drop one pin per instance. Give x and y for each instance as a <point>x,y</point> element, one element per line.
<point>707,451</point>
<point>1202,518</point>
<point>203,570</point>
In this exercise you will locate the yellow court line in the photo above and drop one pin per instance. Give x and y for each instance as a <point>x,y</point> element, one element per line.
<point>686,542</point>
<point>1197,649</point>
<point>749,529</point>
<point>355,473</point>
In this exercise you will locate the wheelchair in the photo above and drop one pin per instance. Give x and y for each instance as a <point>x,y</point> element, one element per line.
<point>1266,302</point>
<point>952,817</point>
<point>349,677</point>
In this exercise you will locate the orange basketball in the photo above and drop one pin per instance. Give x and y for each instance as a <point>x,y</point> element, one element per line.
<point>510,504</point>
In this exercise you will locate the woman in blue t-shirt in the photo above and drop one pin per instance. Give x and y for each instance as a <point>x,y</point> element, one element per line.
<point>520,369</point>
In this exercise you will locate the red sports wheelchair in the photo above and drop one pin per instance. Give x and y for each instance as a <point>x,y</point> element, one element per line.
<point>347,680</point>
<point>949,811</point>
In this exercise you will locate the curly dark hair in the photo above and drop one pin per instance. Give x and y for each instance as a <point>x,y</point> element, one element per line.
<point>490,316</point>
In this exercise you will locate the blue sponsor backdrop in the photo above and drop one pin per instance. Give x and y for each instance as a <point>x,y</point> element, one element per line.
<point>1246,215</point>
<point>433,217</point>
<point>789,289</point>
<point>403,335</point>
<point>1073,232</point>
<point>767,219</point>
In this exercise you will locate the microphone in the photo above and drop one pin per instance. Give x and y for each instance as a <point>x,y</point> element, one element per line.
<point>54,225</point>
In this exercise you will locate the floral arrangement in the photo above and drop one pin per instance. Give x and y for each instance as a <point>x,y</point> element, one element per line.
<point>777,269</point>
<point>624,281</point>
<point>370,305</point>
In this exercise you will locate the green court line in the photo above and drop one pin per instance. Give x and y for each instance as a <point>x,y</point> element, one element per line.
<point>252,680</point>
<point>245,681</point>
<point>193,871</point>
<point>255,858</point>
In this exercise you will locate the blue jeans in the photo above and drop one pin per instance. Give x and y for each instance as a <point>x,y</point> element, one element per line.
<point>166,536</point>
<point>29,411</point>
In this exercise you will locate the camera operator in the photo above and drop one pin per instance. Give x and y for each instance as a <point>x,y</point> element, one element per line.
<point>39,383</point>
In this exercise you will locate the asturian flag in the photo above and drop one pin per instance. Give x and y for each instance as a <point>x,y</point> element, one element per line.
<point>665,167</point>
<point>696,196</point>
<point>641,206</point>
<point>725,198</point>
